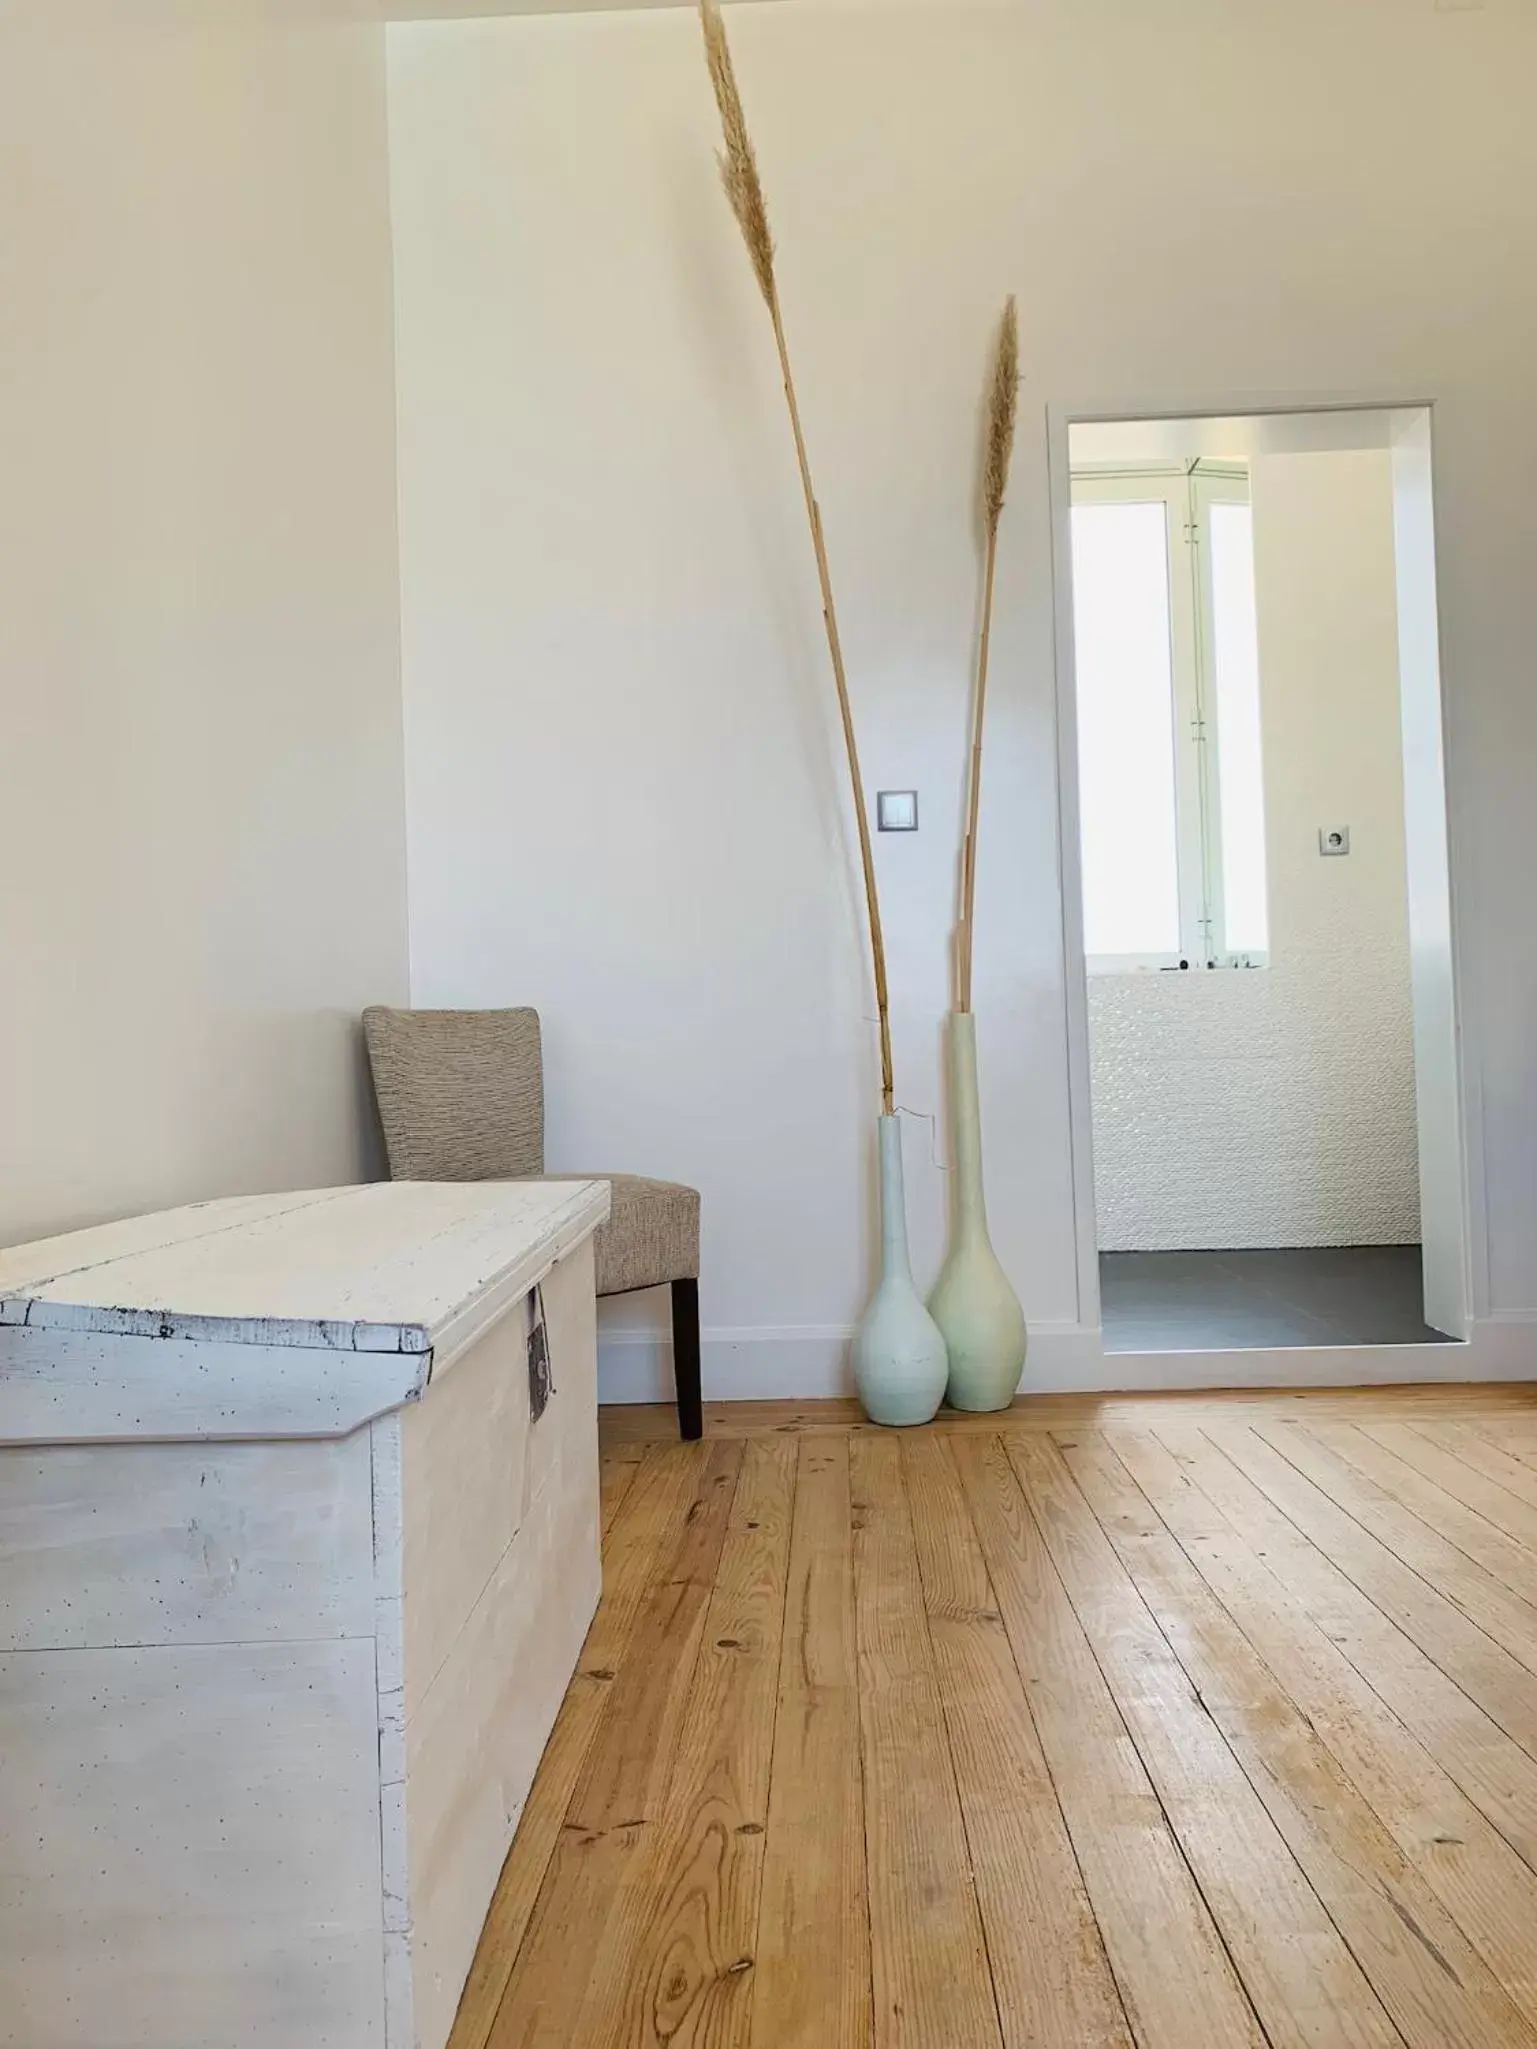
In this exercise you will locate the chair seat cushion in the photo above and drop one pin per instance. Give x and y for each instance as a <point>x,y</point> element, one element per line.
<point>652,1235</point>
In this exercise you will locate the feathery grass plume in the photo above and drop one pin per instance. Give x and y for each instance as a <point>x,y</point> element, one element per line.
<point>1002,402</point>
<point>738,163</point>
<point>744,189</point>
<point>1003,399</point>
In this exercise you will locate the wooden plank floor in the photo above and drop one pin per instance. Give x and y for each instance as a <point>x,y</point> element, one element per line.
<point>1174,1722</point>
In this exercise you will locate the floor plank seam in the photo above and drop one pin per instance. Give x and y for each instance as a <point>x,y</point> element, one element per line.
<point>1175,1834</point>
<point>1460,1507</point>
<point>1171,1830</point>
<point>1425,1580</point>
<point>1457,1449</point>
<point>1452,1678</point>
<point>855,1526</point>
<point>955,1780</point>
<point>1287,1689</point>
<point>1067,1831</point>
<point>651,1822</point>
<point>1237,1754</point>
<point>773,1741</point>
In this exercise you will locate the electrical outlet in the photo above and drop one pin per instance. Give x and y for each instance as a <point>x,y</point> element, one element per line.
<point>1334,839</point>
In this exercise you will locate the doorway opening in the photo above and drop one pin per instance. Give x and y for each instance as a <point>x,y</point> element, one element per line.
<point>1272,1076</point>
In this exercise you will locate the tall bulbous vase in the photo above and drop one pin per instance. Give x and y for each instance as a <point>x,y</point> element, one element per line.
<point>900,1361</point>
<point>972,1302</point>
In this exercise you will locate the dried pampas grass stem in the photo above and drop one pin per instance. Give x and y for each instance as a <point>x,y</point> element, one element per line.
<point>1003,398</point>
<point>738,162</point>
<point>739,175</point>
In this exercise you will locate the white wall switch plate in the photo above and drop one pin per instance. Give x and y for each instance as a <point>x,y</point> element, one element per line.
<point>896,810</point>
<point>1334,839</point>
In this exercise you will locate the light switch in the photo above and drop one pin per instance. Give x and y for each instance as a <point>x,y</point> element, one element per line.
<point>896,810</point>
<point>1334,839</point>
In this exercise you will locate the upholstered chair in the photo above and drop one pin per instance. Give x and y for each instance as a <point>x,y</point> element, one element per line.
<point>461,1098</point>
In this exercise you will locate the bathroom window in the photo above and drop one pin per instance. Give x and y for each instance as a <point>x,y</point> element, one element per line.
<point>1171,782</point>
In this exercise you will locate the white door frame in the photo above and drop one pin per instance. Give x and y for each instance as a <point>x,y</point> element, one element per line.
<point>1456,1150</point>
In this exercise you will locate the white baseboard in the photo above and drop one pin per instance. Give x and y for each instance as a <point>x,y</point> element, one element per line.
<point>792,1363</point>
<point>803,1362</point>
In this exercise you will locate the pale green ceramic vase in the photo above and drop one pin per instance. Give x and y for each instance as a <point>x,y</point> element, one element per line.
<point>900,1361</point>
<point>973,1303</point>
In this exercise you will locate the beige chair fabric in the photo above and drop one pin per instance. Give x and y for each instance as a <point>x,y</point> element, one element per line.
<point>461,1098</point>
<point>652,1234</point>
<point>460,1092</point>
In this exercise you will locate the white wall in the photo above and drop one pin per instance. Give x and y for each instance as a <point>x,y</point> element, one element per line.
<point>201,826</point>
<point>1277,1107</point>
<point>623,785</point>
<point>1454,1191</point>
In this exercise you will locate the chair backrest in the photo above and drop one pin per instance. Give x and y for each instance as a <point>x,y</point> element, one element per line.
<point>460,1092</point>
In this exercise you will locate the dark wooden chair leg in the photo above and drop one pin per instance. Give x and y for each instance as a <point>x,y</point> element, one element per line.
<point>685,1357</point>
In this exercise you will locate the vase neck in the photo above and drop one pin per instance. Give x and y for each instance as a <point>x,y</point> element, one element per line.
<point>895,1262</point>
<point>965,1115</point>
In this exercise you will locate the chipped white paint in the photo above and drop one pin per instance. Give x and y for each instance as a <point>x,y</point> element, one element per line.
<point>474,1732</point>
<point>398,1266</point>
<point>185,1543</point>
<point>269,1710</point>
<point>81,1387</point>
<point>204,1322</point>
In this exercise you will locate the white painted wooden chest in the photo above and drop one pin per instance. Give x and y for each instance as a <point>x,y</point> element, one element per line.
<point>291,1585</point>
